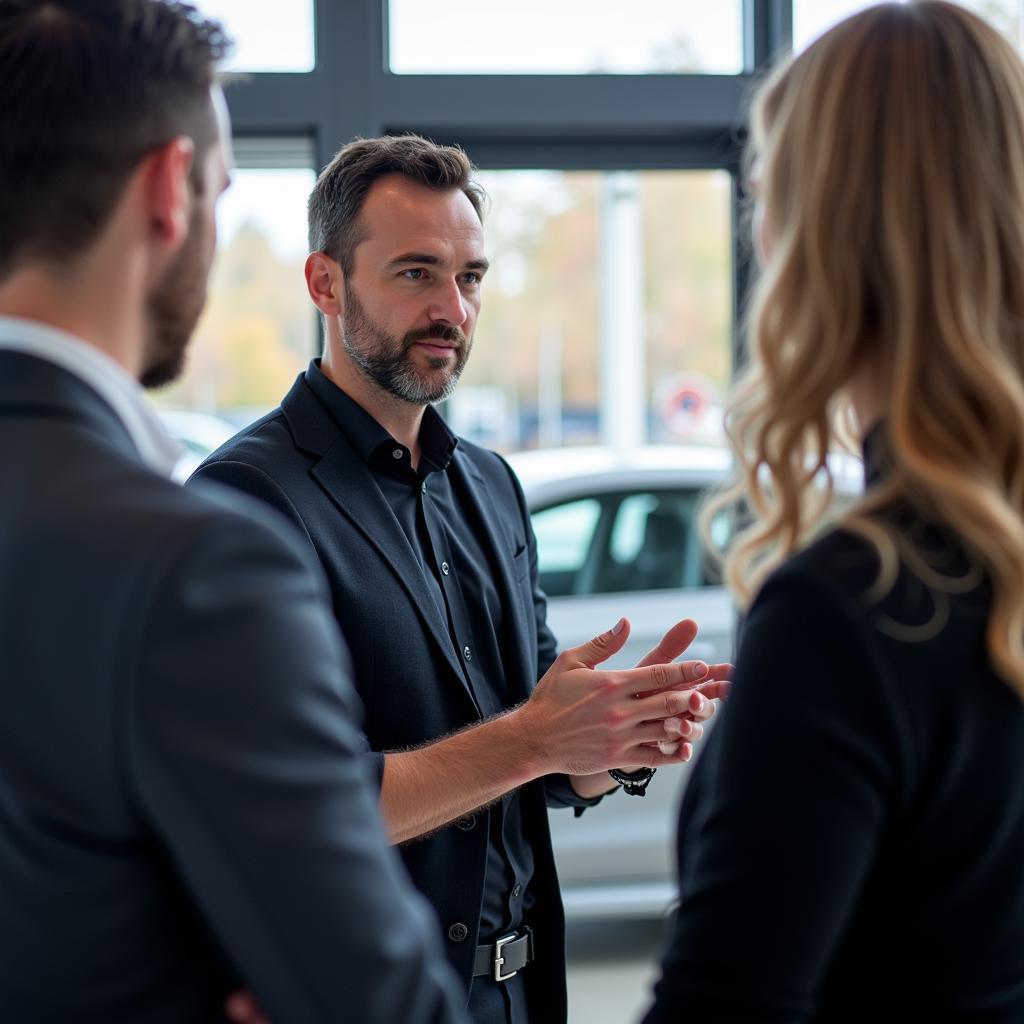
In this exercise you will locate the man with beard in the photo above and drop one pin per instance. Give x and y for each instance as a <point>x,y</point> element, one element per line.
<point>432,565</point>
<point>173,819</point>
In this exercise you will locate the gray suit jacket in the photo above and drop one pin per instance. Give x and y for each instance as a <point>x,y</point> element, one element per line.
<point>184,797</point>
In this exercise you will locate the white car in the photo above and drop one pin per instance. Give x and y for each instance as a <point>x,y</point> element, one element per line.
<point>618,536</point>
<point>198,433</point>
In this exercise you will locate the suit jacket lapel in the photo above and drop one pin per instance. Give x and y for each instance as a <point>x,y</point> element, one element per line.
<point>521,630</point>
<point>348,482</point>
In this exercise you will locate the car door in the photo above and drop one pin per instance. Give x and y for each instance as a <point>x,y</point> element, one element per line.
<point>632,551</point>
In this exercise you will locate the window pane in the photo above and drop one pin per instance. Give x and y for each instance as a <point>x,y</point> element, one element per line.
<point>1005,15</point>
<point>812,17</point>
<point>687,225</point>
<point>628,529</point>
<point>650,545</point>
<point>642,260</point>
<point>535,368</point>
<point>259,329</point>
<point>563,539</point>
<point>273,35</point>
<point>573,37</point>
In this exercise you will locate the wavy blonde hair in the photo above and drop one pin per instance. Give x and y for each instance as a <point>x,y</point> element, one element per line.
<point>890,167</point>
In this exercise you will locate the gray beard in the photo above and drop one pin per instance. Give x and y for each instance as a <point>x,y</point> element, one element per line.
<point>395,374</point>
<point>385,360</point>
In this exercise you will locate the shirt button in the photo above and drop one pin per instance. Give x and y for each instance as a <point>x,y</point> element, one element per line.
<point>458,932</point>
<point>517,890</point>
<point>445,568</point>
<point>467,824</point>
<point>467,654</point>
<point>397,453</point>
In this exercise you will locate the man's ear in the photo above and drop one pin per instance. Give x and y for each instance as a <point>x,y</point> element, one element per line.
<point>167,190</point>
<point>324,282</point>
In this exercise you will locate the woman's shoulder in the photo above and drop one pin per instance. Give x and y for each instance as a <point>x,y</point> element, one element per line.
<point>840,566</point>
<point>918,585</point>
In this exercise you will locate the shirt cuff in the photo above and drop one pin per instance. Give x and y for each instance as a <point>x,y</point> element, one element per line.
<point>560,793</point>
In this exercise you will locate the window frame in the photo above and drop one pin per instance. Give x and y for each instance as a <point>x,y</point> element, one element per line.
<point>507,122</point>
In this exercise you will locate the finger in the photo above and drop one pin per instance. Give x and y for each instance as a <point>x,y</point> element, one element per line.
<point>676,729</point>
<point>714,689</point>
<point>654,678</point>
<point>723,670</point>
<point>659,705</point>
<point>701,707</point>
<point>691,672</point>
<point>602,647</point>
<point>671,645</point>
<point>242,1008</point>
<point>649,756</point>
<point>650,733</point>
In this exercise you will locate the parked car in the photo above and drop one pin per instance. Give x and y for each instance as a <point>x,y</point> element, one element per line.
<point>618,536</point>
<point>199,433</point>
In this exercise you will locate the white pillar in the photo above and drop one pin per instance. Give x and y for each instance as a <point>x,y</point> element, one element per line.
<point>623,327</point>
<point>549,388</point>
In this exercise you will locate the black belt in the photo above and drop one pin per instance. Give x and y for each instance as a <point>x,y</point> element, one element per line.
<point>504,958</point>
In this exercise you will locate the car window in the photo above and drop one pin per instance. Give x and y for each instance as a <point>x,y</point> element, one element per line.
<point>613,543</point>
<point>651,544</point>
<point>627,537</point>
<point>564,537</point>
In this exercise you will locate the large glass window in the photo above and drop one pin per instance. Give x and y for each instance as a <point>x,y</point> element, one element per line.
<point>687,237</point>
<point>272,35</point>
<point>607,314</point>
<point>812,17</point>
<point>259,328</point>
<point>573,37</point>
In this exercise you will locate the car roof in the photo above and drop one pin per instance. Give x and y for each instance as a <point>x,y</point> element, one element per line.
<point>552,474</point>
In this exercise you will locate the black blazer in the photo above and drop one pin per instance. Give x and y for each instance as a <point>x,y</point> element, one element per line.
<point>183,792</point>
<point>406,670</point>
<point>851,845</point>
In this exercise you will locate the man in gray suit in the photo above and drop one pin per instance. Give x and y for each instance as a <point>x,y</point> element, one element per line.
<point>184,804</point>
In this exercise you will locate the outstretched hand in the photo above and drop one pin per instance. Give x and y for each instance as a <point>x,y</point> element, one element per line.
<point>684,730</point>
<point>584,720</point>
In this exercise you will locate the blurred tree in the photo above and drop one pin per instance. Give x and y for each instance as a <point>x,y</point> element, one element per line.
<point>258,330</point>
<point>543,238</point>
<point>676,56</point>
<point>687,233</point>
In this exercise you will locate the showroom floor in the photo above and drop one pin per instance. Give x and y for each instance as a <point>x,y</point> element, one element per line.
<point>611,970</point>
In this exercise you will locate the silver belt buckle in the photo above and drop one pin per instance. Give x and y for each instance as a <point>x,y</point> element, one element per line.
<point>499,959</point>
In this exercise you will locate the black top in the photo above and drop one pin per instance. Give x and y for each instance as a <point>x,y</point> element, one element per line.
<point>407,671</point>
<point>851,846</point>
<point>441,527</point>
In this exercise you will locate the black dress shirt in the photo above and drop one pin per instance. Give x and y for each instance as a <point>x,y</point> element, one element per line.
<point>460,571</point>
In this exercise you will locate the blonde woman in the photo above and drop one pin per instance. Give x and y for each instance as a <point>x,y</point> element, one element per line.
<point>868,864</point>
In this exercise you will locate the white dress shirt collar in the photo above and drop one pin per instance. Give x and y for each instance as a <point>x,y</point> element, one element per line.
<point>108,378</point>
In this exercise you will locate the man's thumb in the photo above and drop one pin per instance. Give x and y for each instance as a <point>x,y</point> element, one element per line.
<point>603,646</point>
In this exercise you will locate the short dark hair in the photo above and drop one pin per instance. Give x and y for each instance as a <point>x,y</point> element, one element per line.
<point>341,189</point>
<point>87,89</point>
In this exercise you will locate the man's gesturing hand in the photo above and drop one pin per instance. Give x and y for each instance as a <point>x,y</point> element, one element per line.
<point>580,720</point>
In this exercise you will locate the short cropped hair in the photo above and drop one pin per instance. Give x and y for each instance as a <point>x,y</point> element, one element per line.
<point>87,89</point>
<point>338,196</point>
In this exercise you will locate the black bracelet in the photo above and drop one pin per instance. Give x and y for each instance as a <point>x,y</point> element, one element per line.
<point>633,783</point>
